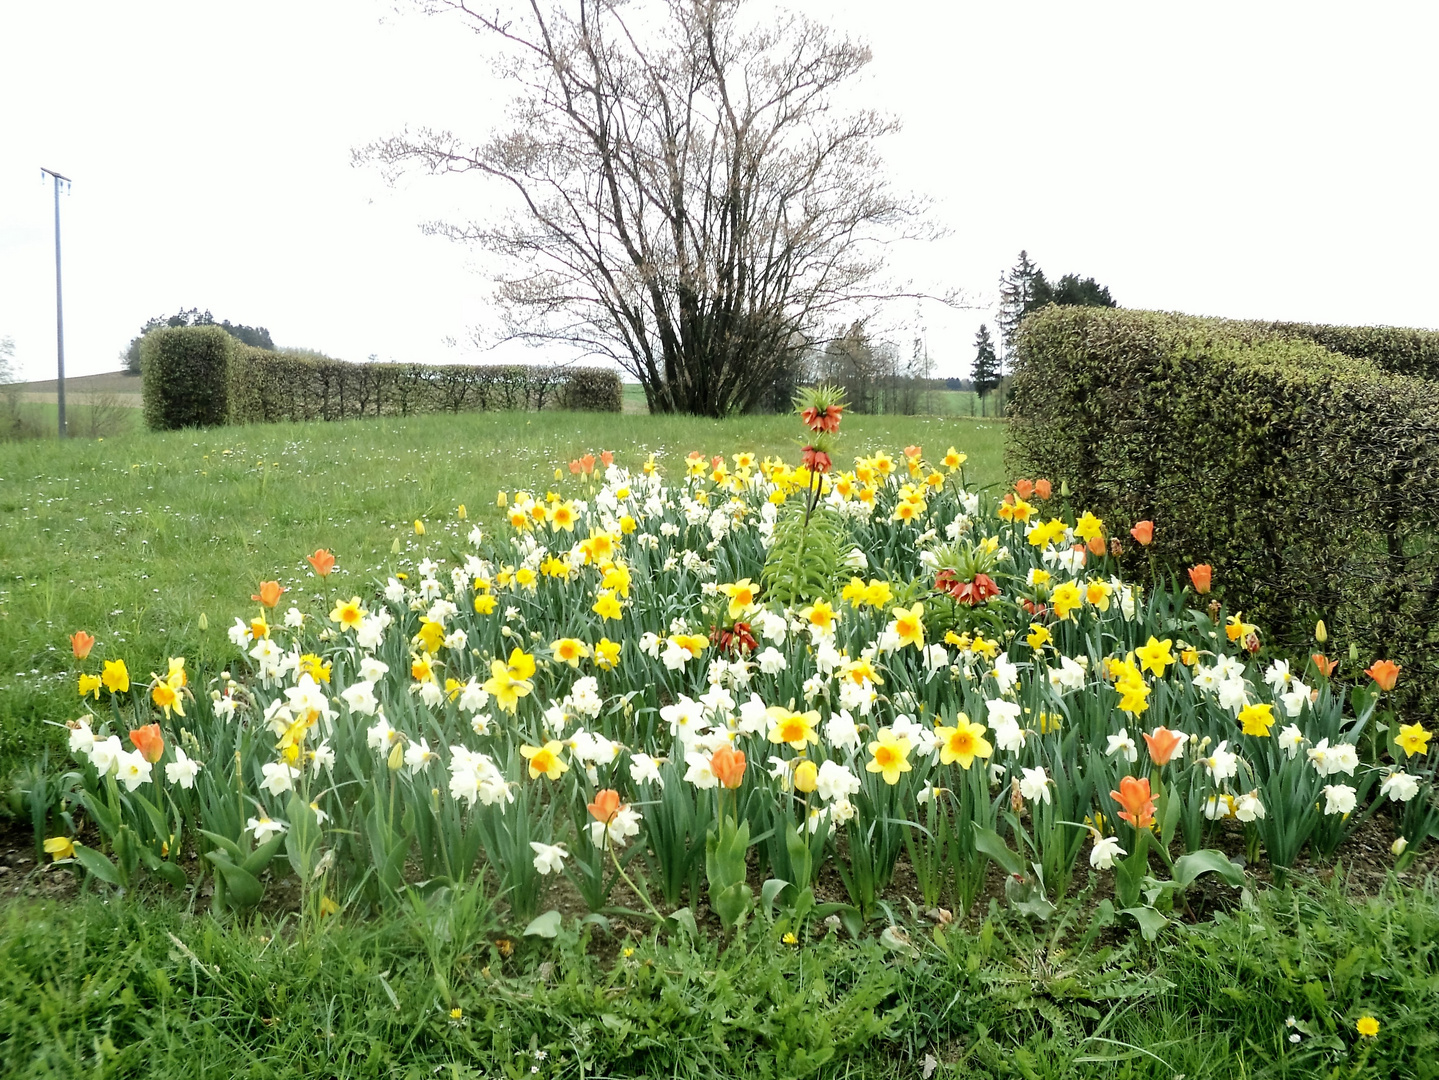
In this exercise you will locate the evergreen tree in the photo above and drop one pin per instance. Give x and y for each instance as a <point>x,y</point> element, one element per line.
<point>1086,292</point>
<point>1021,290</point>
<point>986,371</point>
<point>257,336</point>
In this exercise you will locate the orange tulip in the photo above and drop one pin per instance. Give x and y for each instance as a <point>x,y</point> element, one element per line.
<point>1024,488</point>
<point>1324,664</point>
<point>1143,532</point>
<point>1162,744</point>
<point>575,466</point>
<point>322,561</point>
<point>80,644</point>
<point>149,742</point>
<point>1097,546</point>
<point>1201,577</point>
<point>608,457</point>
<point>728,765</point>
<point>911,451</point>
<point>1385,673</point>
<point>587,463</point>
<point>605,806</point>
<point>1042,489</point>
<point>1135,797</point>
<point>269,594</point>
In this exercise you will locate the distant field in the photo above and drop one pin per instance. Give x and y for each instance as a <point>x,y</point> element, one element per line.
<point>84,389</point>
<point>931,403</point>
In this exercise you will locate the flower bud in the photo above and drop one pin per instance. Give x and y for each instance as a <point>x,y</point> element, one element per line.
<point>806,776</point>
<point>1321,632</point>
<point>1397,848</point>
<point>419,527</point>
<point>397,756</point>
<point>462,513</point>
<point>502,499</point>
<point>204,621</point>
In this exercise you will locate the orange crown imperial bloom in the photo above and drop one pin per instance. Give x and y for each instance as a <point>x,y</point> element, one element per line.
<point>1201,577</point>
<point>80,644</point>
<point>149,742</point>
<point>1325,665</point>
<point>1135,797</point>
<point>728,765</point>
<point>822,421</point>
<point>1163,743</point>
<point>606,805</point>
<point>269,594</point>
<point>322,561</point>
<point>1143,532</point>
<point>1385,673</point>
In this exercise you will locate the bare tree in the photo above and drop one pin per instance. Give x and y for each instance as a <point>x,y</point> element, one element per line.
<point>689,201</point>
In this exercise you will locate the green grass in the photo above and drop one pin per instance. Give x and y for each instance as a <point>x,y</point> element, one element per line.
<point>132,989</point>
<point>134,538</point>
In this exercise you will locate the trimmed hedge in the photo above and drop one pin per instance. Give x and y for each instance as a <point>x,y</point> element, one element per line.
<point>1396,350</point>
<point>202,376</point>
<point>1308,478</point>
<point>184,380</point>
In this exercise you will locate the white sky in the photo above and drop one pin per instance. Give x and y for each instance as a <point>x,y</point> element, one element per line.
<point>1254,159</point>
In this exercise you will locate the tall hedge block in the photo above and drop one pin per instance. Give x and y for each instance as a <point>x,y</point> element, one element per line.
<point>185,377</point>
<point>1309,478</point>
<point>203,376</point>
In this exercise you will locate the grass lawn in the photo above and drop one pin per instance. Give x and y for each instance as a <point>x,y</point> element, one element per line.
<point>135,537</point>
<point>1273,990</point>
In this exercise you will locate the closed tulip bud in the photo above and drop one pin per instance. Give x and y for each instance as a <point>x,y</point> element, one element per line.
<point>204,621</point>
<point>559,474</point>
<point>1064,489</point>
<point>395,546</point>
<point>462,513</point>
<point>1321,632</point>
<point>502,499</point>
<point>1353,651</point>
<point>806,776</point>
<point>1397,848</point>
<point>397,756</point>
<point>419,527</point>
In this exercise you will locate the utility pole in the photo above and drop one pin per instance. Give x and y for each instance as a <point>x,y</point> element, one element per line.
<point>59,306</point>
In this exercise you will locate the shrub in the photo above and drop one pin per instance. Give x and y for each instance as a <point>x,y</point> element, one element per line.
<point>592,390</point>
<point>1396,350</point>
<point>185,377</point>
<point>1308,478</point>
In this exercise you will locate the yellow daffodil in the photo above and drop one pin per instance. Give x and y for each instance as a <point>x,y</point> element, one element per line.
<point>1257,719</point>
<point>962,743</point>
<point>90,684</point>
<point>607,654</point>
<point>1155,655</point>
<point>608,605</point>
<point>504,687</point>
<point>741,595</point>
<point>431,636</point>
<point>1413,739</point>
<point>570,650</point>
<point>115,677</point>
<point>909,625</point>
<point>1066,599</point>
<point>544,760</point>
<point>889,756</point>
<point>1038,636</point>
<point>1088,528</point>
<point>820,614</point>
<point>792,728</point>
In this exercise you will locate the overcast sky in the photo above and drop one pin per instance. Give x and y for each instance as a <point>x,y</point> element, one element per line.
<point>1251,159</point>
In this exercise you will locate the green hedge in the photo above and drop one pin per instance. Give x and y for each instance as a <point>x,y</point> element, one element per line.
<point>202,376</point>
<point>184,380</point>
<point>1309,479</point>
<point>1396,350</point>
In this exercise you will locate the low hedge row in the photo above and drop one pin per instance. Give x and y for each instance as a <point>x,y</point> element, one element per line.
<point>1309,478</point>
<point>199,376</point>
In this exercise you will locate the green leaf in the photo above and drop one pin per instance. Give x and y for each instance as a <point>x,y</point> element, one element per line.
<point>260,858</point>
<point>1150,921</point>
<point>988,842</point>
<point>1188,867</point>
<point>96,864</point>
<point>768,892</point>
<point>242,889</point>
<point>225,844</point>
<point>684,920</point>
<point>546,925</point>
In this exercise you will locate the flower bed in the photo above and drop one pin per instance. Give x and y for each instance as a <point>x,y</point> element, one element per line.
<point>733,679</point>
